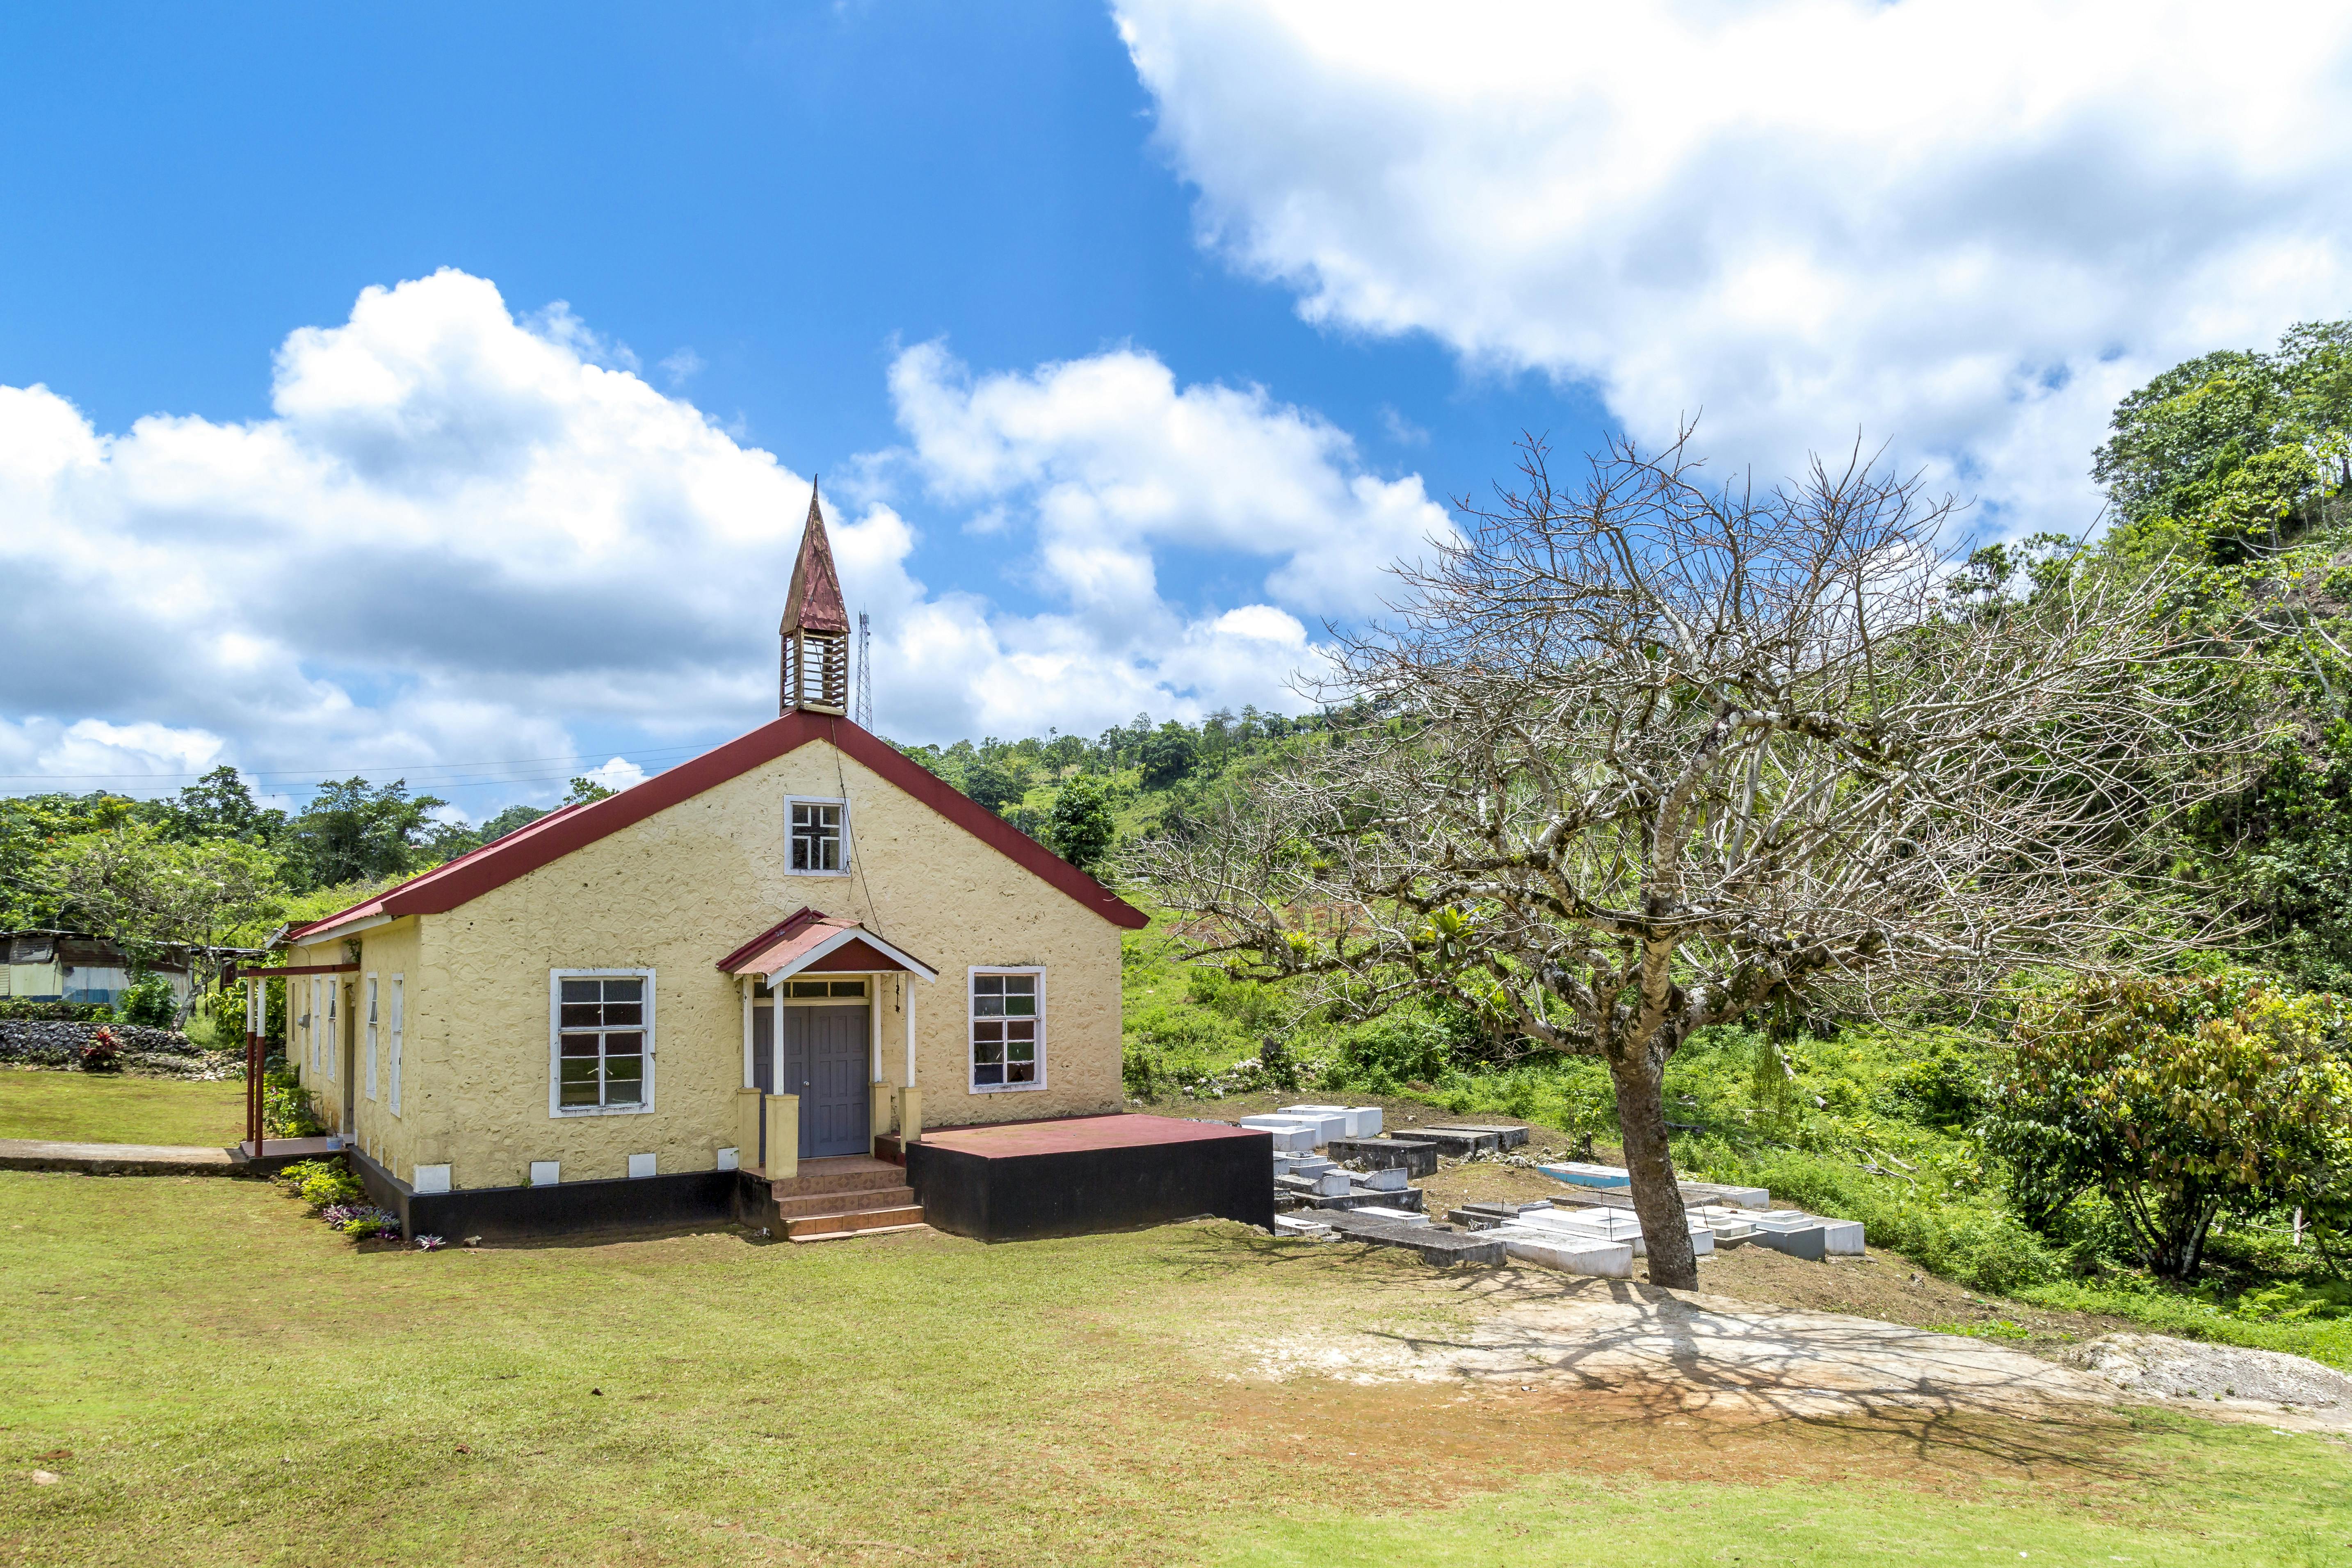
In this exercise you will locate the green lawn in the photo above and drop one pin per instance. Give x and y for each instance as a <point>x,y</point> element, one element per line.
<point>218,1379</point>
<point>108,1108</point>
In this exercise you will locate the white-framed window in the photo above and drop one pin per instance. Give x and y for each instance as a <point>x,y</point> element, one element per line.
<point>1008,1028</point>
<point>399,985</point>
<point>309,1034</point>
<point>816,836</point>
<point>600,1041</point>
<point>370,1016</point>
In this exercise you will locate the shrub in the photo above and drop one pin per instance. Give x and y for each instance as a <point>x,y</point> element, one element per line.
<point>1405,1046</point>
<point>286,1108</point>
<point>1946,1088</point>
<point>147,1001</point>
<point>323,1184</point>
<point>2181,1100</point>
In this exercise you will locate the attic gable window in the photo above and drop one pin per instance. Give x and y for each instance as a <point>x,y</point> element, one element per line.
<point>818,836</point>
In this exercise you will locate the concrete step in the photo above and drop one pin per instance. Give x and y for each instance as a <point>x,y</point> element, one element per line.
<point>804,1227</point>
<point>879,1197</point>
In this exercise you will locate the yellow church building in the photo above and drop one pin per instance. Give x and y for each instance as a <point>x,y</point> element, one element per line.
<point>753,986</point>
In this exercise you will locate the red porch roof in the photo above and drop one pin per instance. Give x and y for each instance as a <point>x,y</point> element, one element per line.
<point>561,832</point>
<point>807,941</point>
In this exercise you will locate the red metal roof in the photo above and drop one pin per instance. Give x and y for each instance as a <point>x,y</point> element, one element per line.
<point>561,832</point>
<point>814,600</point>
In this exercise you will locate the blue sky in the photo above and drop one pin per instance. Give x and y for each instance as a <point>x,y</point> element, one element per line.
<point>1129,341</point>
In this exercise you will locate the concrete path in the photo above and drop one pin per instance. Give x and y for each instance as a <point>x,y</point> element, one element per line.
<point>115,1159</point>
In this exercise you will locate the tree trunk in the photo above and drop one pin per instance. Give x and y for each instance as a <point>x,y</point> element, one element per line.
<point>1657,1200</point>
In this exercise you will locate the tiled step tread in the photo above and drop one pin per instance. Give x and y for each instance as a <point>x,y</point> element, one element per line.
<point>864,1199</point>
<point>845,1174</point>
<point>863,1219</point>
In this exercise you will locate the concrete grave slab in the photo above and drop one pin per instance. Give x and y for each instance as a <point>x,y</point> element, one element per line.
<point>1506,1135</point>
<point>1437,1247</point>
<point>1413,1156</point>
<point>1551,1249</point>
<point>1730,1198</point>
<point>1391,1180</point>
<point>1809,1242</point>
<point>1356,1120</point>
<point>1289,1137</point>
<point>1411,1198</point>
<point>1454,1143</point>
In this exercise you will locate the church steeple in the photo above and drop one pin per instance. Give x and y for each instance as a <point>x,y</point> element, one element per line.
<point>815,628</point>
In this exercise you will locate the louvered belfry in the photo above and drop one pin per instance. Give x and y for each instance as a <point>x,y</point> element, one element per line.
<point>816,674</point>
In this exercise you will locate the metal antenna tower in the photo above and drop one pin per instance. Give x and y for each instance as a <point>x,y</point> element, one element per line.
<point>864,717</point>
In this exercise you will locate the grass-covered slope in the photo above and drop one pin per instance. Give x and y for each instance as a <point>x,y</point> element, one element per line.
<point>224,1381</point>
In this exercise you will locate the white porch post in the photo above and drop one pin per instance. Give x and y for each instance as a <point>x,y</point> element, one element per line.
<point>874,1027</point>
<point>743,984</point>
<point>907,992</point>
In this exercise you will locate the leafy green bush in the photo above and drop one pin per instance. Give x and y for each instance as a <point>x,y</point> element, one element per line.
<point>2182,1100</point>
<point>147,1001</point>
<point>323,1182</point>
<point>1408,1046</point>
<point>1944,1087</point>
<point>286,1108</point>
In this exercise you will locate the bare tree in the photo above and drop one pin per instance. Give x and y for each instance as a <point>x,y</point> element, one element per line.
<point>1648,755</point>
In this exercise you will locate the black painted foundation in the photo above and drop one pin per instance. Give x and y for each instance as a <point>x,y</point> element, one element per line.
<point>1076,1192</point>
<point>695,1200</point>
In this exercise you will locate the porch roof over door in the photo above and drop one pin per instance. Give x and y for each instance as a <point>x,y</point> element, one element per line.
<point>809,940</point>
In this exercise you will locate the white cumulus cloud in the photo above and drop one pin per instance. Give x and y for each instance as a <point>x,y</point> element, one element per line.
<point>1966,225</point>
<point>462,538</point>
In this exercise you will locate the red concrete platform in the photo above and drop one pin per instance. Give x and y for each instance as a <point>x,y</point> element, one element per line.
<point>1075,1175</point>
<point>1009,1140</point>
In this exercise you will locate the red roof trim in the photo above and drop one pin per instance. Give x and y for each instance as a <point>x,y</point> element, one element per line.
<point>559,833</point>
<point>768,938</point>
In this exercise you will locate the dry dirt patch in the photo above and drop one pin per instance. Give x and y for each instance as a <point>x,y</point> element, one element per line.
<point>1445,1385</point>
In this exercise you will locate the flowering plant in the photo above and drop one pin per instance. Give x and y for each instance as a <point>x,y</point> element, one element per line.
<point>360,1221</point>
<point>430,1244</point>
<point>100,1055</point>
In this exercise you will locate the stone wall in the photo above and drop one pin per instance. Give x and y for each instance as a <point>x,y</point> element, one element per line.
<point>32,1042</point>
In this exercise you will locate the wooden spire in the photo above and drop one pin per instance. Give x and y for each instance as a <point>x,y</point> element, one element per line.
<point>815,674</point>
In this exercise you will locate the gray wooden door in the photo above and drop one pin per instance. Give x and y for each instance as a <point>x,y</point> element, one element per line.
<point>825,1056</point>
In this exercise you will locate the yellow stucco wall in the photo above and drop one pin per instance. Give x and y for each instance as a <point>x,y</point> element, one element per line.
<point>677,893</point>
<point>388,952</point>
